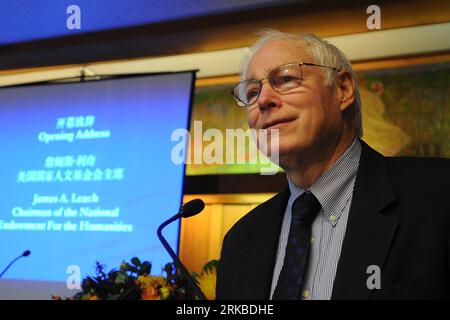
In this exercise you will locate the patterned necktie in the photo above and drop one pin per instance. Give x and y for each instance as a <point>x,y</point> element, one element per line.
<point>290,282</point>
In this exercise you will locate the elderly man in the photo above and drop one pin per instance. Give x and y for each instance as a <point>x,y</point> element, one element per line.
<point>351,224</point>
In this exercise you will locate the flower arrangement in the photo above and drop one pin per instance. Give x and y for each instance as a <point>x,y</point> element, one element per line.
<point>133,281</point>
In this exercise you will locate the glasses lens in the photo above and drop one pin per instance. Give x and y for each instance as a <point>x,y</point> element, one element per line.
<point>286,77</point>
<point>247,92</point>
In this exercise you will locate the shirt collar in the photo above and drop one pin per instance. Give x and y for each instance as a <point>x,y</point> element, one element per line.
<point>334,188</point>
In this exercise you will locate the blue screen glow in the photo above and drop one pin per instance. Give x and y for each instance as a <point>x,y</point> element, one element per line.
<point>86,173</point>
<point>27,20</point>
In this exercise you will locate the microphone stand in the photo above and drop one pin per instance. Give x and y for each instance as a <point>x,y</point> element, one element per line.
<point>178,263</point>
<point>24,254</point>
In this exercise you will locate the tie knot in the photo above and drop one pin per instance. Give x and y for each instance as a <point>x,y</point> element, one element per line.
<point>305,208</point>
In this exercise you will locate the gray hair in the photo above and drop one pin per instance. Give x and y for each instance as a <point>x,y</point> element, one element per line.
<point>323,52</point>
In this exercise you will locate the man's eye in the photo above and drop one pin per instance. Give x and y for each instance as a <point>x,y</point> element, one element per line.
<point>251,93</point>
<point>285,79</point>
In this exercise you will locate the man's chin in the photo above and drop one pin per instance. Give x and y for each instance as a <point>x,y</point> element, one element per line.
<point>291,154</point>
<point>286,155</point>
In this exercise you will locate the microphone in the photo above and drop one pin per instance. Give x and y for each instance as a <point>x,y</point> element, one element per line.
<point>26,253</point>
<point>189,209</point>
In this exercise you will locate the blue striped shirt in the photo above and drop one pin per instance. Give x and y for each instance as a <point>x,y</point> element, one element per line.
<point>334,190</point>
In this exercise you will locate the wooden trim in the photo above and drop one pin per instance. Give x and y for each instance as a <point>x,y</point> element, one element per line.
<point>234,183</point>
<point>214,81</point>
<point>242,198</point>
<point>379,64</point>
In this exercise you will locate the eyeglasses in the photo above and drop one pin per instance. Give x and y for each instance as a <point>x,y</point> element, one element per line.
<point>281,79</point>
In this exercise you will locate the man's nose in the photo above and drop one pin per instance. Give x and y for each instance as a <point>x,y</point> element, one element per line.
<point>268,97</point>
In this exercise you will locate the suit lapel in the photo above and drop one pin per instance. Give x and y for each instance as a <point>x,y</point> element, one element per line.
<point>258,258</point>
<point>369,233</point>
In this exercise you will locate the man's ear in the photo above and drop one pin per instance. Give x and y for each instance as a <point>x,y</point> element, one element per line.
<point>346,90</point>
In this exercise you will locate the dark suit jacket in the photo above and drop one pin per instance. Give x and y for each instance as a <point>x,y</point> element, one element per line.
<point>399,220</point>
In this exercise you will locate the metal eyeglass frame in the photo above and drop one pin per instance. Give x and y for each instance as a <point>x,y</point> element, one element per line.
<point>260,82</point>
